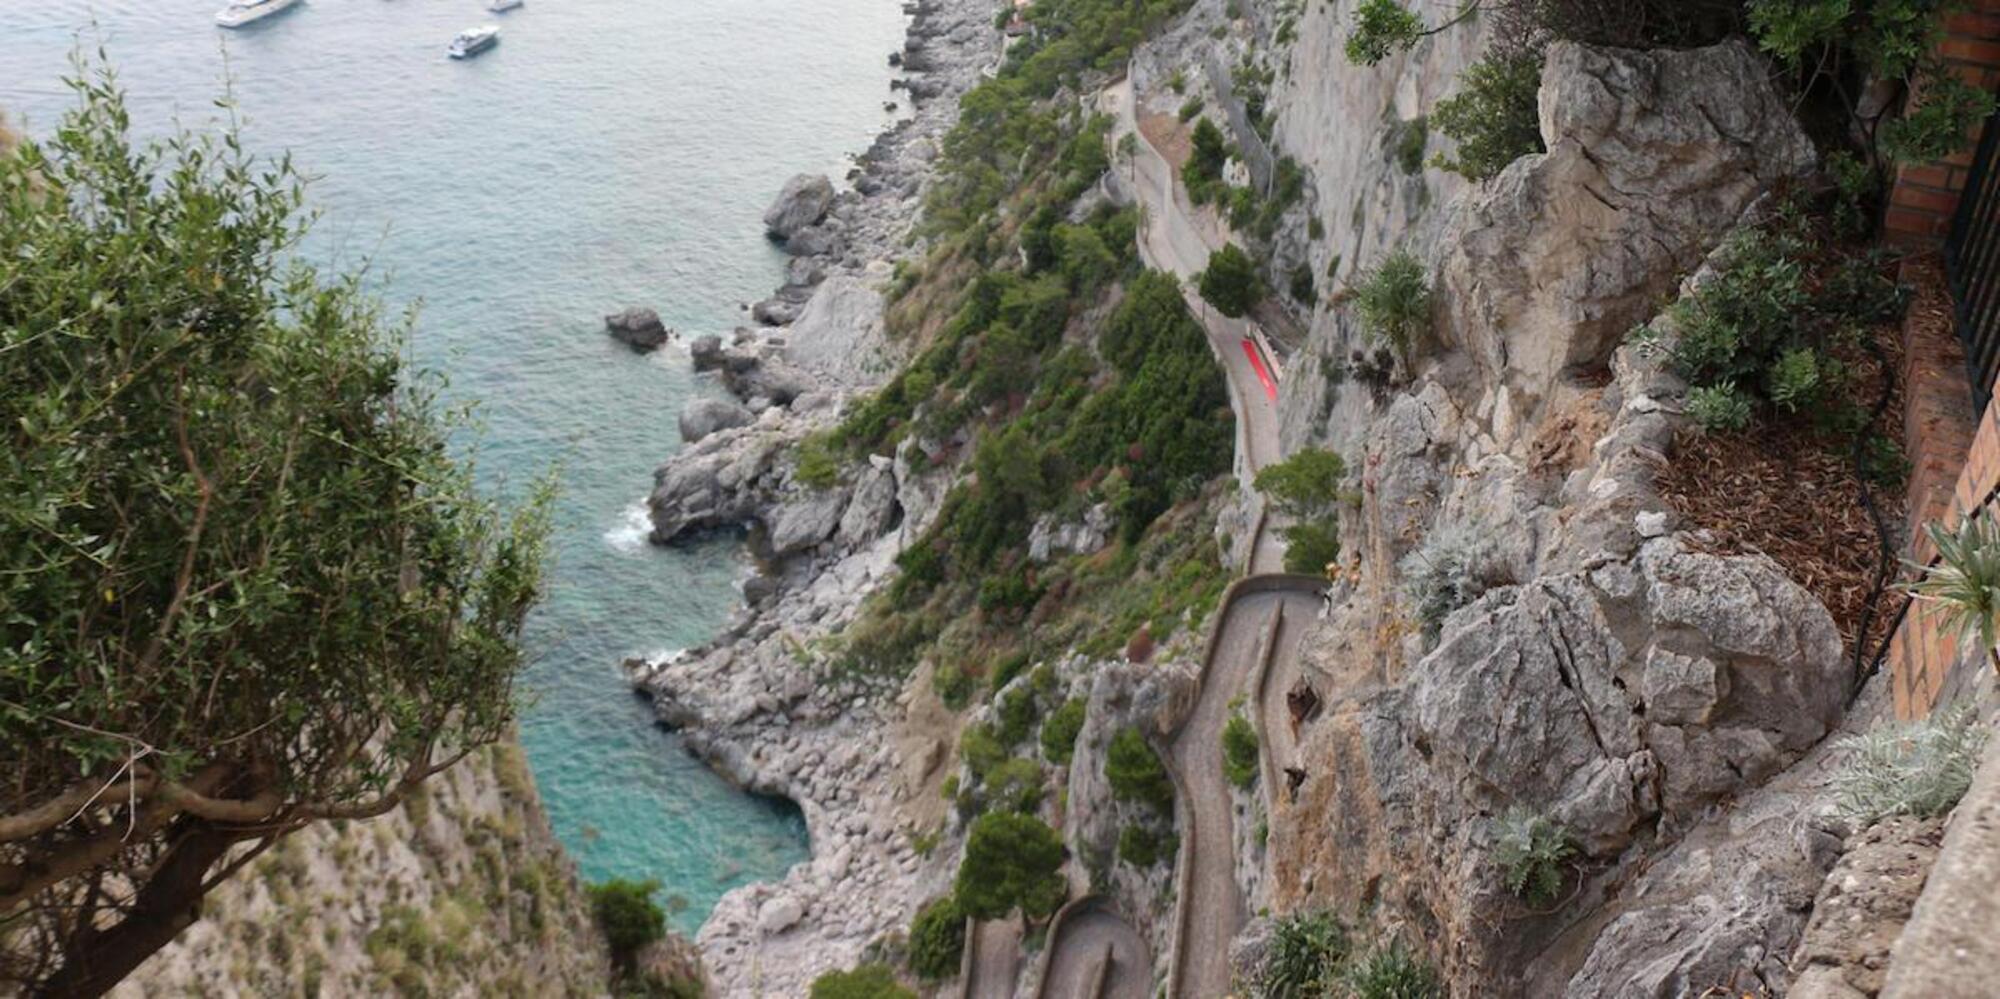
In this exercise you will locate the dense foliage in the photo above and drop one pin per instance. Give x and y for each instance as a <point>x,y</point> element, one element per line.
<point>869,981</point>
<point>937,939</point>
<point>1394,301</point>
<point>1230,282</point>
<point>1919,768</point>
<point>1135,772</point>
<point>1308,487</point>
<point>1239,751</point>
<point>629,917</point>
<point>1059,732</point>
<point>1306,953</point>
<point>1012,861</point>
<point>244,582</point>
<point>1493,119</point>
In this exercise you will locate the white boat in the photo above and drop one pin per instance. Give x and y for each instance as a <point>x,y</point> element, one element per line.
<point>502,6</point>
<point>240,13</point>
<point>473,41</point>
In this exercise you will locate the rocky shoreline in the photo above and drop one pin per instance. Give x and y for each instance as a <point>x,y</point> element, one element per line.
<point>767,702</point>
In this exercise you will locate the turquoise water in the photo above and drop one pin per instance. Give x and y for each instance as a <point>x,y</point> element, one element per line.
<point>606,153</point>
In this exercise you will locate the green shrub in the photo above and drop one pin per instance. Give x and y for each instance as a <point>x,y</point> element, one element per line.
<point>1307,484</point>
<point>1059,732</point>
<point>1305,957</point>
<point>937,939</point>
<point>1230,282</point>
<point>869,981</point>
<point>1142,847</point>
<point>1946,109</point>
<point>1011,861</point>
<point>1015,713</point>
<point>1394,301</point>
<point>1410,138</point>
<point>1392,972</point>
<point>1192,107</point>
<point>629,917</point>
<point>954,686</point>
<point>1239,751</point>
<point>1917,768</point>
<point>1312,546</point>
<point>818,464</point>
<point>1381,29</point>
<point>1531,851</point>
<point>1007,668</point>
<point>1445,572</point>
<point>980,750</point>
<point>1014,785</point>
<point>1493,119</point>
<point>1716,408</point>
<point>1135,771</point>
<point>1302,287</point>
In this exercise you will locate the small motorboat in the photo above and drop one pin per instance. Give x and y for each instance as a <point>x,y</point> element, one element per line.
<point>241,13</point>
<point>502,6</point>
<point>473,41</point>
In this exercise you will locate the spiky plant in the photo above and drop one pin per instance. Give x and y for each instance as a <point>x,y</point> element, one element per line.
<point>1531,849</point>
<point>1963,586</point>
<point>1916,768</point>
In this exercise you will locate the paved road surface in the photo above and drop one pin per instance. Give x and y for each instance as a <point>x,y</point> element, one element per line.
<point>1074,967</point>
<point>996,959</point>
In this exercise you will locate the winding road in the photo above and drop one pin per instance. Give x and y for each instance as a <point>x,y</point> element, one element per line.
<point>1257,633</point>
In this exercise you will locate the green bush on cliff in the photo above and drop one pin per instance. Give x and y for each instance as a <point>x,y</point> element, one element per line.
<point>869,981</point>
<point>1135,772</point>
<point>1394,301</point>
<point>1140,846</point>
<point>1494,118</point>
<point>1917,768</point>
<point>1392,971</point>
<point>1531,850</point>
<point>1239,751</point>
<point>1059,732</point>
<point>1012,861</point>
<point>629,917</point>
<point>1306,954</point>
<point>937,939</point>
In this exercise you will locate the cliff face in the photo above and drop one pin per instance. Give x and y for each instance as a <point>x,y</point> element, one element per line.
<point>463,891</point>
<point>1613,676</point>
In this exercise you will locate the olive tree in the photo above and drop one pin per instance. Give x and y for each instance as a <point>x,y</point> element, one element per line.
<point>245,585</point>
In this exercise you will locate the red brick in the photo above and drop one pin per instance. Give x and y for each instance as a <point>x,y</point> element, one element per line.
<point>1930,175</point>
<point>1970,24</point>
<point>1925,200</point>
<point>1978,51</point>
<point>1921,224</point>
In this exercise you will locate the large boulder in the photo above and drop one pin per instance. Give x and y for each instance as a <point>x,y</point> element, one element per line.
<point>638,328</point>
<point>802,202</point>
<point>701,417</point>
<point>1652,157</point>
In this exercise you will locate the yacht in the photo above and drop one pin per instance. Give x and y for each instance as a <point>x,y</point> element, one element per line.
<point>473,41</point>
<point>240,13</point>
<point>502,6</point>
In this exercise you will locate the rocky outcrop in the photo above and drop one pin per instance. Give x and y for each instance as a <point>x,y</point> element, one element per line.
<point>462,891</point>
<point>638,328</point>
<point>773,702</point>
<point>802,202</point>
<point>1652,157</point>
<point>701,417</point>
<point>1844,952</point>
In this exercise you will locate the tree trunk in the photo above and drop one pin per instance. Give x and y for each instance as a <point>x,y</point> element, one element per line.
<point>170,901</point>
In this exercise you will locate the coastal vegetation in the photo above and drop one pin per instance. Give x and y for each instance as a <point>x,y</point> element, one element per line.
<point>1531,850</point>
<point>1012,861</point>
<point>311,612</point>
<point>869,981</point>
<point>1309,487</point>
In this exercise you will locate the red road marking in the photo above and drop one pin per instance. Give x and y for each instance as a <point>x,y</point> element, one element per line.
<point>1257,365</point>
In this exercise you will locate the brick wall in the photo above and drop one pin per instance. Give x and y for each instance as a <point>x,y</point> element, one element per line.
<point>1924,197</point>
<point>1954,452</point>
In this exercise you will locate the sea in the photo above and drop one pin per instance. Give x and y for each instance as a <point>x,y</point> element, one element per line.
<point>607,153</point>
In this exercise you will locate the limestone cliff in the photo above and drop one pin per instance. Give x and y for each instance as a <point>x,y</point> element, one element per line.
<point>463,891</point>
